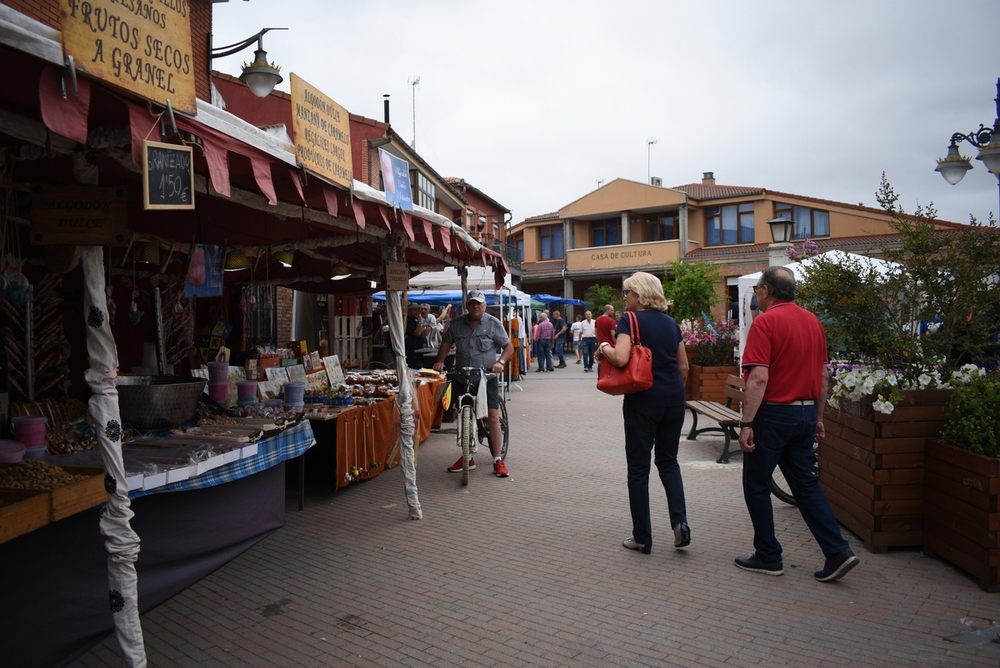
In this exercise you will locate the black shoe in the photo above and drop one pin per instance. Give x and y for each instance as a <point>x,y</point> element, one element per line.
<point>682,535</point>
<point>751,563</point>
<point>560,366</point>
<point>837,566</point>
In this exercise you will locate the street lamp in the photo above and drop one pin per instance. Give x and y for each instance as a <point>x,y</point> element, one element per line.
<point>260,76</point>
<point>954,165</point>
<point>781,235</point>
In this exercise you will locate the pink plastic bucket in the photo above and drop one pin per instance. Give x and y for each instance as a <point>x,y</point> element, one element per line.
<point>30,430</point>
<point>218,372</point>
<point>221,393</point>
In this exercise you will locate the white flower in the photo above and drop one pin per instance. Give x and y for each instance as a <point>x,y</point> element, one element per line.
<point>883,406</point>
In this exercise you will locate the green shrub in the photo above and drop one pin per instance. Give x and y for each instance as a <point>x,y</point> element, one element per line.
<point>971,419</point>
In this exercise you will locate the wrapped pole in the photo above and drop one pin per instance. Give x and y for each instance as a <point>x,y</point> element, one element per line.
<point>121,542</point>
<point>394,311</point>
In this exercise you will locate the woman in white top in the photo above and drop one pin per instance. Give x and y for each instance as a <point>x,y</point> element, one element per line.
<point>577,329</point>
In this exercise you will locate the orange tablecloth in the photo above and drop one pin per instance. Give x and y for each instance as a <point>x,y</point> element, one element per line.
<point>431,407</point>
<point>367,434</point>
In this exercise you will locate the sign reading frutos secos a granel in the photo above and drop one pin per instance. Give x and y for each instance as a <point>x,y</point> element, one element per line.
<point>143,47</point>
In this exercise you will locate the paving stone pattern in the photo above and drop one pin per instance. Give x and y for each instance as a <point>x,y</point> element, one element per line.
<point>530,571</point>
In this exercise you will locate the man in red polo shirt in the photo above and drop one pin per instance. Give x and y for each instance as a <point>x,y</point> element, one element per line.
<point>605,325</point>
<point>786,388</point>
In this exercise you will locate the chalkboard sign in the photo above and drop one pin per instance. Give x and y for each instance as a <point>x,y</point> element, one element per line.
<point>167,176</point>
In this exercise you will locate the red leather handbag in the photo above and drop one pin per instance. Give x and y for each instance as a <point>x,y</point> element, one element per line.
<point>636,375</point>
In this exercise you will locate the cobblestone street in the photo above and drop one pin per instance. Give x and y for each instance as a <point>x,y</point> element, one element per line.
<point>530,571</point>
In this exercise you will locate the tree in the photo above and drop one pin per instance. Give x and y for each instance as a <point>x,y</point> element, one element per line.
<point>692,289</point>
<point>598,295</point>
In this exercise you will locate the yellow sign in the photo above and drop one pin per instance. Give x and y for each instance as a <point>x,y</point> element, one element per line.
<point>139,45</point>
<point>79,215</point>
<point>322,133</point>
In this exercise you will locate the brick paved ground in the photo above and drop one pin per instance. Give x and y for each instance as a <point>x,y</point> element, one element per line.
<point>530,570</point>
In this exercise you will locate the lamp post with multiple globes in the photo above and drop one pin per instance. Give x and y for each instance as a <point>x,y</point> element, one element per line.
<point>954,165</point>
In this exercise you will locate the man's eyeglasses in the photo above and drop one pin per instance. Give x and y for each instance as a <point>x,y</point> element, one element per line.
<point>758,287</point>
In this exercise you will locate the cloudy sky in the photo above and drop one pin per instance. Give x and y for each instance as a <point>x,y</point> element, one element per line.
<point>536,101</point>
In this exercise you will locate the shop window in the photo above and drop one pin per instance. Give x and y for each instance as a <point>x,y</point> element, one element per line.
<point>809,223</point>
<point>520,249</point>
<point>605,232</point>
<point>551,242</point>
<point>732,224</point>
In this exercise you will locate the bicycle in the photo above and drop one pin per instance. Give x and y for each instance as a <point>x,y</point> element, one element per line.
<point>471,430</point>
<point>779,486</point>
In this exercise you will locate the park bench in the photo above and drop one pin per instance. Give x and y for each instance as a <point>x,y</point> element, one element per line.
<point>725,415</point>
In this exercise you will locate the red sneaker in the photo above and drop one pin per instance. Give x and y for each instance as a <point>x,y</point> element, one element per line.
<point>457,466</point>
<point>499,469</point>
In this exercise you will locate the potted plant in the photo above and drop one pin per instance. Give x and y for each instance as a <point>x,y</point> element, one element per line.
<point>904,332</point>
<point>711,352</point>
<point>962,483</point>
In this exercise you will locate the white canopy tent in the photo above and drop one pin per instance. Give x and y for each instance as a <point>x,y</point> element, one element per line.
<point>747,282</point>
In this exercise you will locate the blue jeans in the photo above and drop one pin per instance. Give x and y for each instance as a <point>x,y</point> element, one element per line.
<point>784,437</point>
<point>544,354</point>
<point>657,430</point>
<point>560,346</point>
<point>589,348</point>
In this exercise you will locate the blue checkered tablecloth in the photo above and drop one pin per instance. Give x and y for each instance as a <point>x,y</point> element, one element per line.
<point>289,444</point>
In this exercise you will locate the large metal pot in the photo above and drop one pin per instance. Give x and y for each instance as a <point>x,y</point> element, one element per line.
<point>158,402</point>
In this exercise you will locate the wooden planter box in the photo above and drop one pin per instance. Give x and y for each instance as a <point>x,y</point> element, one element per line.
<point>707,382</point>
<point>962,517</point>
<point>871,467</point>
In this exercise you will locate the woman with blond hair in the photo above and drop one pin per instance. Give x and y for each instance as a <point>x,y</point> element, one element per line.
<point>653,417</point>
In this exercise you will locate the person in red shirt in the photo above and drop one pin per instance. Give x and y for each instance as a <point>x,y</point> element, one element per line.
<point>786,389</point>
<point>606,326</point>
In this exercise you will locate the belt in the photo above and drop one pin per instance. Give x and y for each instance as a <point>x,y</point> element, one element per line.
<point>800,402</point>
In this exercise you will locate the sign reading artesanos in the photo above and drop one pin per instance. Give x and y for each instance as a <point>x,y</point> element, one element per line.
<point>322,133</point>
<point>144,46</point>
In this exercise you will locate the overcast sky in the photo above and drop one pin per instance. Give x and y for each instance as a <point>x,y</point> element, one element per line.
<point>533,102</point>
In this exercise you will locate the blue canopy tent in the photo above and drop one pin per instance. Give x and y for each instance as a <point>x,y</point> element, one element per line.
<point>552,299</point>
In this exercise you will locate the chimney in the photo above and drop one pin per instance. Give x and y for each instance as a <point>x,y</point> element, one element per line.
<point>385,105</point>
<point>707,178</point>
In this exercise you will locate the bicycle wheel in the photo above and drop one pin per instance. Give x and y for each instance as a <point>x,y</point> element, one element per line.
<point>465,436</point>
<point>779,486</point>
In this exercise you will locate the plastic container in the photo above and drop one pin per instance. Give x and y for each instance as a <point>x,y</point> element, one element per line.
<point>30,430</point>
<point>218,372</point>
<point>247,391</point>
<point>295,393</point>
<point>221,393</point>
<point>11,452</point>
<point>35,453</point>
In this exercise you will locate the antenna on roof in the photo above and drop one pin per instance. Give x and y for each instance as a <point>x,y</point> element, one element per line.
<point>414,81</point>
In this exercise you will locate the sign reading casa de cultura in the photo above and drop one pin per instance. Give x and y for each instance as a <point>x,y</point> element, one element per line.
<point>139,45</point>
<point>322,133</point>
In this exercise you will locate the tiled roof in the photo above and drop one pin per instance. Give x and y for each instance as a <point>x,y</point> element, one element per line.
<point>702,192</point>
<point>461,184</point>
<point>543,216</point>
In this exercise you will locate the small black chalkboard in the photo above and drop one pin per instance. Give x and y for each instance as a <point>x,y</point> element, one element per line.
<point>167,176</point>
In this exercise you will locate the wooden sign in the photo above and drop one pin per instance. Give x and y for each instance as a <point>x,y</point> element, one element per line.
<point>397,276</point>
<point>79,215</point>
<point>167,176</point>
<point>322,133</point>
<point>143,47</point>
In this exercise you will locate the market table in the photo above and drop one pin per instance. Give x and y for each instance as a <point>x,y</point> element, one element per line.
<point>54,581</point>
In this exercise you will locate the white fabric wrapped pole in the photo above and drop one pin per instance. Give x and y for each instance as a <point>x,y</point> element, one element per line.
<point>122,543</point>
<point>394,311</point>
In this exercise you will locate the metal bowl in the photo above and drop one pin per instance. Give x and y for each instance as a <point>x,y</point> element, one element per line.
<point>158,402</point>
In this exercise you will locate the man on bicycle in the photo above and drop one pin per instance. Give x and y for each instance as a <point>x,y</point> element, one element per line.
<point>477,336</point>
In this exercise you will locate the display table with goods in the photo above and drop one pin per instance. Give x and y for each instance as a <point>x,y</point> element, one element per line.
<point>202,493</point>
<point>359,422</point>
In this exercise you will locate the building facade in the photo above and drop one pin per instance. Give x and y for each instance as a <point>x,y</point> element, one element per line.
<point>626,226</point>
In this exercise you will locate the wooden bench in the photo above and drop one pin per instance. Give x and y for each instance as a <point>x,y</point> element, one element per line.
<point>725,415</point>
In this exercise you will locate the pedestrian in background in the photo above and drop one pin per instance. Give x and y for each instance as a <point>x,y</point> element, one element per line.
<point>543,339</point>
<point>786,388</point>
<point>606,326</point>
<point>559,325</point>
<point>653,417</point>
<point>588,340</point>
<point>576,328</point>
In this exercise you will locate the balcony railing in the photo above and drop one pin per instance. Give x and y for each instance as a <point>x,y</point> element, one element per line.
<point>509,252</point>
